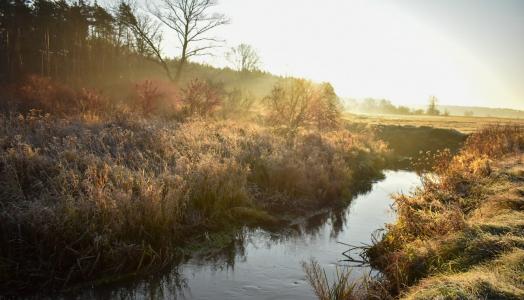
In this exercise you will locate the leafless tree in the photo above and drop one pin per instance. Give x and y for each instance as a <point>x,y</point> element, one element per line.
<point>192,23</point>
<point>147,33</point>
<point>432,106</point>
<point>289,103</point>
<point>244,58</point>
<point>295,103</point>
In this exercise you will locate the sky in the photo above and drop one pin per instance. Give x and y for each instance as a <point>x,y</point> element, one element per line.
<point>464,52</point>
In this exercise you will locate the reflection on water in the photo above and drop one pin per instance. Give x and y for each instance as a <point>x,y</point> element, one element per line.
<point>266,265</point>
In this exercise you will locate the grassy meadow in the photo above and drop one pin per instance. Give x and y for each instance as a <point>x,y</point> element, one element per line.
<point>464,124</point>
<point>94,188</point>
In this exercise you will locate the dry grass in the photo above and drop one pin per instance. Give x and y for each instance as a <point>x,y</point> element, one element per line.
<point>459,236</point>
<point>463,124</point>
<point>342,286</point>
<point>498,279</point>
<point>340,289</point>
<point>464,221</point>
<point>93,193</point>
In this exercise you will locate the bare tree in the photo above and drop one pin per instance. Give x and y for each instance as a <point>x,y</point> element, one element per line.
<point>147,33</point>
<point>432,106</point>
<point>289,102</point>
<point>244,58</point>
<point>296,103</point>
<point>192,24</point>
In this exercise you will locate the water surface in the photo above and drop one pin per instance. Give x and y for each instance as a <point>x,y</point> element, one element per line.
<point>267,265</point>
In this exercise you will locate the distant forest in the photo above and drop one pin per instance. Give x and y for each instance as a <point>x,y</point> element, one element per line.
<point>84,44</point>
<point>380,106</point>
<point>67,41</point>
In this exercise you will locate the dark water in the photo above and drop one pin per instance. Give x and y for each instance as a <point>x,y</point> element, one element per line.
<point>265,265</point>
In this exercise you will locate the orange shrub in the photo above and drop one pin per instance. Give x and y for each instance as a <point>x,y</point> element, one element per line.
<point>200,98</point>
<point>495,141</point>
<point>43,93</point>
<point>148,97</point>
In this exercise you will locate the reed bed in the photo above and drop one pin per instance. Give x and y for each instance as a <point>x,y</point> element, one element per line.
<point>101,189</point>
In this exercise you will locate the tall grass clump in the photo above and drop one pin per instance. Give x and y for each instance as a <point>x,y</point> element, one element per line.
<point>341,285</point>
<point>341,288</point>
<point>116,187</point>
<point>456,220</point>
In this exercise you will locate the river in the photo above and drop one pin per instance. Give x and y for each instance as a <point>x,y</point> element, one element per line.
<point>267,265</point>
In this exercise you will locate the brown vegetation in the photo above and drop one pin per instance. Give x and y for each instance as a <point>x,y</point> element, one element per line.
<point>463,124</point>
<point>341,288</point>
<point>297,103</point>
<point>464,220</point>
<point>458,236</point>
<point>93,187</point>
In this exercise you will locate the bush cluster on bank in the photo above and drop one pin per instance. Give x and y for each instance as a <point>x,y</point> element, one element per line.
<point>93,188</point>
<point>460,224</point>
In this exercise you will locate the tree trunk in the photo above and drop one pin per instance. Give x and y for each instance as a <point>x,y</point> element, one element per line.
<point>182,62</point>
<point>179,70</point>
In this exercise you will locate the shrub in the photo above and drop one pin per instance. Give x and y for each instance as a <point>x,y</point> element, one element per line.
<point>43,93</point>
<point>200,98</point>
<point>496,141</point>
<point>148,97</point>
<point>289,103</point>
<point>83,201</point>
<point>91,101</point>
<point>297,103</point>
<point>236,104</point>
<point>433,232</point>
<point>326,108</point>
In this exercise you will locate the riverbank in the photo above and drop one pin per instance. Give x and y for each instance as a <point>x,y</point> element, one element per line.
<point>92,199</point>
<point>97,188</point>
<point>85,199</point>
<point>460,235</point>
<point>259,263</point>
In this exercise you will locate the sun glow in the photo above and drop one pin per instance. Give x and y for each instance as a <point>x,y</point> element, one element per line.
<point>365,48</point>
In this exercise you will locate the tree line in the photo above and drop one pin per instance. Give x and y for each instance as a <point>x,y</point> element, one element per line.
<point>79,40</point>
<point>384,106</point>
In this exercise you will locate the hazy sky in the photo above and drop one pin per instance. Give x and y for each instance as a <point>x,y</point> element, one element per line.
<point>465,52</point>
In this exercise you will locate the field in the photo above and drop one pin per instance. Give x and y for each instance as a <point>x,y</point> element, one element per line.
<point>463,124</point>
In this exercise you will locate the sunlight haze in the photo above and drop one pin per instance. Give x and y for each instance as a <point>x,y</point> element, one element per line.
<point>462,52</point>
<point>261,149</point>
